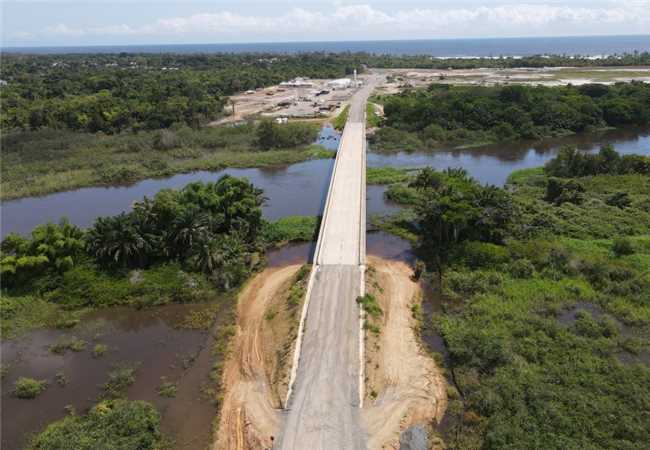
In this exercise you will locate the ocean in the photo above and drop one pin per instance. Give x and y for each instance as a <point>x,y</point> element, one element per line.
<point>488,47</point>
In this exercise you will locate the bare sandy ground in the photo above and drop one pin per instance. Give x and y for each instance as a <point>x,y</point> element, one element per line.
<point>407,387</point>
<point>250,414</point>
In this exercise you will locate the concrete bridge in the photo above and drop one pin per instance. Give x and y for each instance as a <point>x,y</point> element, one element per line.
<point>326,389</point>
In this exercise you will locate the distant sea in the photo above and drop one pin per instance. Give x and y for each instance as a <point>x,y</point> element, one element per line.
<point>575,45</point>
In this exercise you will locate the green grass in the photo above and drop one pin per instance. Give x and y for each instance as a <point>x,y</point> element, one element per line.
<point>387,175</point>
<point>372,118</point>
<point>291,229</point>
<point>339,122</point>
<point>299,287</point>
<point>41,162</point>
<point>533,176</point>
<point>21,314</point>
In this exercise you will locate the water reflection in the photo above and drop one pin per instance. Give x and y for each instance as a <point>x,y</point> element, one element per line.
<point>493,163</point>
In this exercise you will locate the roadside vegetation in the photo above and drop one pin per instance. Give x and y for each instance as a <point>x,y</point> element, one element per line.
<point>339,121</point>
<point>373,119</point>
<point>475,115</point>
<point>47,160</point>
<point>545,303</point>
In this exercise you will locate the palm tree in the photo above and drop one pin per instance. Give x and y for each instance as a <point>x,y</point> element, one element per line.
<point>221,257</point>
<point>118,241</point>
<point>186,230</point>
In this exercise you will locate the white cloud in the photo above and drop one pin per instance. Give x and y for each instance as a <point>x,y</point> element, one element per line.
<point>362,18</point>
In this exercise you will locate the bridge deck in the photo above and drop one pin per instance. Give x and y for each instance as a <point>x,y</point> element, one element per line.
<point>323,409</point>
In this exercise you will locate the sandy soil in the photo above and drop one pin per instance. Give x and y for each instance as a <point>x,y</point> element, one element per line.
<point>249,415</point>
<point>277,101</point>
<point>547,76</point>
<point>407,386</point>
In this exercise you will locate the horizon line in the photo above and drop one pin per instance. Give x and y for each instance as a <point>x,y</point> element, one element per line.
<point>323,41</point>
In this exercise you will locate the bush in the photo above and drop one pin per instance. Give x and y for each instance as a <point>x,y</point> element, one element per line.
<point>467,284</point>
<point>522,268</point>
<point>560,191</point>
<point>619,199</point>
<point>166,140</point>
<point>622,247</point>
<point>483,254</point>
<point>28,388</point>
<point>119,379</point>
<point>109,425</point>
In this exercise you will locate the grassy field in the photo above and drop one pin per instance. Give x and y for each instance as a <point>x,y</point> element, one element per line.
<point>41,162</point>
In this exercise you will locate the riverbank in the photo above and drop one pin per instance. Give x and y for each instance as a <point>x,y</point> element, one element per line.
<point>41,162</point>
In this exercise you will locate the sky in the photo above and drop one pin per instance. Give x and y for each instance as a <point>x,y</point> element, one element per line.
<point>118,22</point>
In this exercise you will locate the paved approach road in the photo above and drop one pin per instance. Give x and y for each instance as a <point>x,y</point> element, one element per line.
<point>323,409</point>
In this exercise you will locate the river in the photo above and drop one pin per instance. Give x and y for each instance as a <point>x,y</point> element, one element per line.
<point>300,189</point>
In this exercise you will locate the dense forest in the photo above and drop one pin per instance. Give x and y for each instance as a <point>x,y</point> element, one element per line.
<point>546,307</point>
<point>116,92</point>
<point>460,114</point>
<point>112,93</point>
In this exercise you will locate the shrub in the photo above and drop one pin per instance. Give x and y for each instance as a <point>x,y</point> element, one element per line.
<point>99,350</point>
<point>483,254</point>
<point>109,425</point>
<point>622,247</point>
<point>167,388</point>
<point>467,284</point>
<point>119,379</point>
<point>369,304</point>
<point>560,191</point>
<point>166,140</point>
<point>28,388</point>
<point>619,199</point>
<point>522,268</point>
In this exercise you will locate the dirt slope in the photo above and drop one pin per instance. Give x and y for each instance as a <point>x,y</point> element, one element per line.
<point>249,416</point>
<point>407,386</point>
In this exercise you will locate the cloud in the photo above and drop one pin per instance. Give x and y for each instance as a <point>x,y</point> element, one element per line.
<point>362,18</point>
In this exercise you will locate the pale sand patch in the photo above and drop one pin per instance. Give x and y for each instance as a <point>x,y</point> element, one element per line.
<point>250,414</point>
<point>409,388</point>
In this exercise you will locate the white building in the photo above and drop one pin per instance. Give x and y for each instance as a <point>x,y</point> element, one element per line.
<point>297,83</point>
<point>341,83</point>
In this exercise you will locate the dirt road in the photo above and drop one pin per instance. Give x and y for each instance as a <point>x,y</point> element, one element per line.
<point>408,386</point>
<point>249,416</point>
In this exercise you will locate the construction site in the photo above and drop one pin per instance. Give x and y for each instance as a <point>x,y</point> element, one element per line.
<point>300,98</point>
